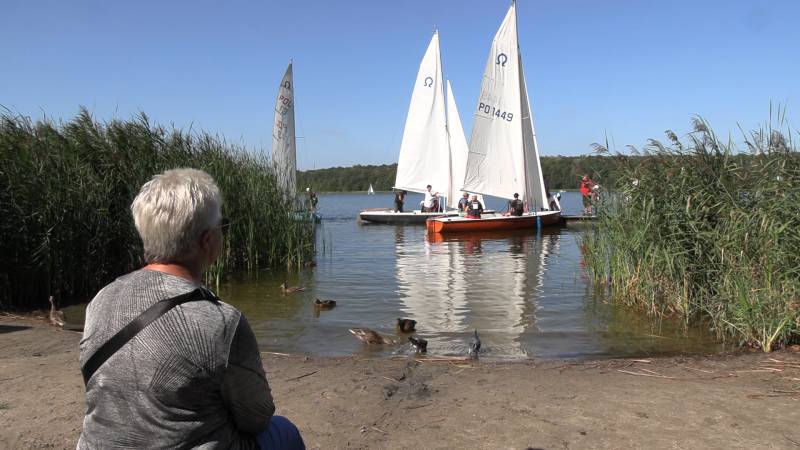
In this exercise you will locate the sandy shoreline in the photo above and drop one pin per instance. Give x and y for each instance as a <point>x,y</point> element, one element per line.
<point>739,401</point>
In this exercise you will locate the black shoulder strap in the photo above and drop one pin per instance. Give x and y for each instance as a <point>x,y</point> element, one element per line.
<point>130,330</point>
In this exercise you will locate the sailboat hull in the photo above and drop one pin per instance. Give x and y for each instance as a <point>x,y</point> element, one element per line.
<point>388,216</point>
<point>493,223</point>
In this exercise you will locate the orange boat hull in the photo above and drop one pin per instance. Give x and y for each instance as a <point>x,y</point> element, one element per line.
<point>495,223</point>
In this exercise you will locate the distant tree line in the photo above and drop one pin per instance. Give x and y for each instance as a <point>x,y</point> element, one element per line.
<point>560,172</point>
<point>347,179</point>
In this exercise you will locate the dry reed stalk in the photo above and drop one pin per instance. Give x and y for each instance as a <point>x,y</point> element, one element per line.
<point>644,374</point>
<point>302,376</point>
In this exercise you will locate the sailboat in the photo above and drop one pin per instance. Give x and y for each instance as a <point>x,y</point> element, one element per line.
<point>433,149</point>
<point>370,191</point>
<point>284,145</point>
<point>503,153</point>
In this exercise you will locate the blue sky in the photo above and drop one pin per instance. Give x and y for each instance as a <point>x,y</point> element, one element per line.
<point>623,68</point>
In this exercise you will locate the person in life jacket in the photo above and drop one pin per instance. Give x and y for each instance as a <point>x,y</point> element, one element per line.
<point>399,200</point>
<point>474,208</point>
<point>516,207</point>
<point>462,204</point>
<point>586,194</point>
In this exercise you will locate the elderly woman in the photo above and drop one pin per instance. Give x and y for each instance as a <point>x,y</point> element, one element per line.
<point>186,371</point>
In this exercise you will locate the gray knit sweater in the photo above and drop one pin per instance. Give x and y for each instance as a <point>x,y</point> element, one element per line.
<point>191,379</point>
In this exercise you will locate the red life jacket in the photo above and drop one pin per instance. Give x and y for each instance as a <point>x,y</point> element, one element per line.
<point>586,187</point>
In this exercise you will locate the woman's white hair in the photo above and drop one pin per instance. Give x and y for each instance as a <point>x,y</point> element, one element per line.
<point>173,210</point>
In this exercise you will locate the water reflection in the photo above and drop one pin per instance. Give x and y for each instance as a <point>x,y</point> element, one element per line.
<point>492,282</point>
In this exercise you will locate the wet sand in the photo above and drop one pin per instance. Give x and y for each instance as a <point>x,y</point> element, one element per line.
<point>747,400</point>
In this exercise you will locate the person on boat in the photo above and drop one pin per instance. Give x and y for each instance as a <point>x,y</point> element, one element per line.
<point>462,204</point>
<point>554,201</point>
<point>193,375</point>
<point>399,200</point>
<point>431,201</point>
<point>515,207</point>
<point>587,184</point>
<point>474,208</point>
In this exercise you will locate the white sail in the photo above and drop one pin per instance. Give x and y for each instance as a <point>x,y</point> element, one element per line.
<point>459,150</point>
<point>284,155</point>
<point>424,152</point>
<point>370,191</point>
<point>503,158</point>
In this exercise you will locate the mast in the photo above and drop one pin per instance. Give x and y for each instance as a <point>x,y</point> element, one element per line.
<point>535,194</point>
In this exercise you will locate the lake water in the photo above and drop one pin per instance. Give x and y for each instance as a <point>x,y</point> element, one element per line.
<point>526,293</point>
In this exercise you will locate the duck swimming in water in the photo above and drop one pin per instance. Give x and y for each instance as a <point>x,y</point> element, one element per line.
<point>475,346</point>
<point>419,344</point>
<point>370,337</point>
<point>406,325</point>
<point>324,304</point>
<point>57,318</point>
<point>291,290</point>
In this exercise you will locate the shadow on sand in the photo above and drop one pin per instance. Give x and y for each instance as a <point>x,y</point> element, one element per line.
<point>12,328</point>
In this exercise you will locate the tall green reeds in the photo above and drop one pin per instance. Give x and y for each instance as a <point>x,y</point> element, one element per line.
<point>701,230</point>
<point>66,189</point>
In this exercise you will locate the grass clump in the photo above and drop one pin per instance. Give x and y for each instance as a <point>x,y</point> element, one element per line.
<point>66,189</point>
<point>701,230</point>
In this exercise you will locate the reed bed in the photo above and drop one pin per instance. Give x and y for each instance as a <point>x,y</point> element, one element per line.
<point>704,231</point>
<point>66,189</point>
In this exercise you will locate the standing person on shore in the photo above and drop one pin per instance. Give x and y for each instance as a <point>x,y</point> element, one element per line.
<point>587,184</point>
<point>399,200</point>
<point>314,201</point>
<point>191,374</point>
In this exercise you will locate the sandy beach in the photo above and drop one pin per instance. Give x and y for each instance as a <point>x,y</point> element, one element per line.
<point>748,400</point>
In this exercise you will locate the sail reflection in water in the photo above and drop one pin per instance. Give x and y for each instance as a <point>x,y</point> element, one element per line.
<point>454,284</point>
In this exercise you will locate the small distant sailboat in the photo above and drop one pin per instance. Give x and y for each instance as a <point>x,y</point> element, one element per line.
<point>503,153</point>
<point>370,191</point>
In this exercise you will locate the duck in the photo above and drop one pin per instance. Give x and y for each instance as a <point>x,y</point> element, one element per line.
<point>370,337</point>
<point>291,290</point>
<point>57,318</point>
<point>324,304</point>
<point>475,346</point>
<point>406,325</point>
<point>419,344</point>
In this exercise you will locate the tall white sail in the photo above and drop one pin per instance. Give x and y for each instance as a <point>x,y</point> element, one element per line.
<point>424,153</point>
<point>459,150</point>
<point>284,153</point>
<point>503,158</point>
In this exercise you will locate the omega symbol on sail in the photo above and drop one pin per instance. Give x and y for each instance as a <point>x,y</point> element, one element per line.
<point>502,59</point>
<point>287,85</point>
<point>426,82</point>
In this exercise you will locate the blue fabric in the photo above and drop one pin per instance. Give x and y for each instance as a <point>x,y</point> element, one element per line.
<point>281,435</point>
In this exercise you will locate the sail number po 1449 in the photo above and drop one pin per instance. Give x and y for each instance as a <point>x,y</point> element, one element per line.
<point>492,111</point>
